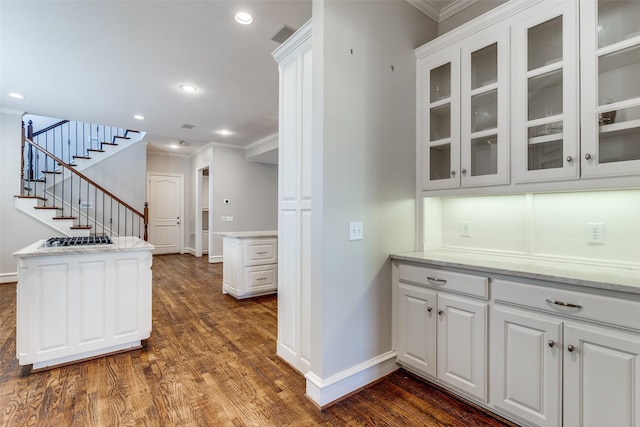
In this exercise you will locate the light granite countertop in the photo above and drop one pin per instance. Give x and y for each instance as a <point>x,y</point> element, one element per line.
<point>247,234</point>
<point>614,278</point>
<point>128,243</point>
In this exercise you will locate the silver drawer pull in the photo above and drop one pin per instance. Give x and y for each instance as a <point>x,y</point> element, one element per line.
<point>435,279</point>
<point>564,304</point>
<point>262,252</point>
<point>261,278</point>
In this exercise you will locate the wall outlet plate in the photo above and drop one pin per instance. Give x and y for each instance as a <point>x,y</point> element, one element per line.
<point>595,233</point>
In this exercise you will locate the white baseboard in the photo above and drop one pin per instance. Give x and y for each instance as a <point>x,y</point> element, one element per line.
<point>215,258</point>
<point>8,277</point>
<point>324,392</point>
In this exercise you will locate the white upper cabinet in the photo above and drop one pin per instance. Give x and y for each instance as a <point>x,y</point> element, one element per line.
<point>610,38</point>
<point>462,103</point>
<point>545,131</point>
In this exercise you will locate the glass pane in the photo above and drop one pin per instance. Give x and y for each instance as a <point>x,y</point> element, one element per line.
<point>546,129</point>
<point>545,155</point>
<point>545,43</point>
<point>617,20</point>
<point>619,135</point>
<point>484,155</point>
<point>439,162</point>
<point>484,111</point>
<point>545,95</point>
<point>618,75</point>
<point>484,66</point>
<point>441,82</point>
<point>440,125</point>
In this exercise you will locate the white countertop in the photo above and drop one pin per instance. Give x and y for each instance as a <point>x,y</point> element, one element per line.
<point>624,279</point>
<point>247,234</point>
<point>128,243</point>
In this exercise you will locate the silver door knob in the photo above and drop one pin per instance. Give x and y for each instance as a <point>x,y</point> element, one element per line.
<point>587,156</point>
<point>570,348</point>
<point>569,159</point>
<point>453,173</point>
<point>429,309</point>
<point>552,343</point>
<point>464,172</point>
<point>440,312</point>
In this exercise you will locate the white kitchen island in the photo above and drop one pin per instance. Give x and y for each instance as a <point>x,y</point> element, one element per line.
<point>250,263</point>
<point>81,302</point>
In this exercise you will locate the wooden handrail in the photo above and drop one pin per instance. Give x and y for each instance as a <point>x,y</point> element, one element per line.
<point>53,126</point>
<point>89,180</point>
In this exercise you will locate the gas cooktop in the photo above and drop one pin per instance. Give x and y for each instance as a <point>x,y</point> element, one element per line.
<point>56,242</point>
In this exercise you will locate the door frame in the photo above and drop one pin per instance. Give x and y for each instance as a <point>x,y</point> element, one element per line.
<point>198,227</point>
<point>181,186</point>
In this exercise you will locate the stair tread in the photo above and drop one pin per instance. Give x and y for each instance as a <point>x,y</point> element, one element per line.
<point>96,150</point>
<point>121,137</point>
<point>64,217</point>
<point>81,227</point>
<point>30,197</point>
<point>109,143</point>
<point>47,207</point>
<point>55,172</point>
<point>34,180</point>
<point>131,130</point>
<point>81,157</point>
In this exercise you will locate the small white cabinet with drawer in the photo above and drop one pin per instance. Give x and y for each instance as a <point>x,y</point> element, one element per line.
<point>441,326</point>
<point>250,264</point>
<point>558,360</point>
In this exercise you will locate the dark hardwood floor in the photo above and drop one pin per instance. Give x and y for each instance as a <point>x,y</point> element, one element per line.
<point>210,361</point>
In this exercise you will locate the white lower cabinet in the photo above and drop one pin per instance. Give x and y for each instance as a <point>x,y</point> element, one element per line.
<point>554,369</point>
<point>442,335</point>
<point>250,265</point>
<point>538,353</point>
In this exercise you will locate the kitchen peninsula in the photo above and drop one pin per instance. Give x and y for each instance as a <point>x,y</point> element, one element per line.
<point>79,302</point>
<point>250,263</point>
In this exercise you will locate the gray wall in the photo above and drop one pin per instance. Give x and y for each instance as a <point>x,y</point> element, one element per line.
<point>363,170</point>
<point>467,14</point>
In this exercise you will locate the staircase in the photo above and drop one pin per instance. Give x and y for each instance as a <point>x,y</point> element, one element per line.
<point>55,190</point>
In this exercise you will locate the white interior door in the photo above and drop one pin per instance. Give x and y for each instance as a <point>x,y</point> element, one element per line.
<point>166,212</point>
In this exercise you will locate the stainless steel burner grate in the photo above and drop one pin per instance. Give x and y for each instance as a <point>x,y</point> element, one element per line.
<point>55,242</point>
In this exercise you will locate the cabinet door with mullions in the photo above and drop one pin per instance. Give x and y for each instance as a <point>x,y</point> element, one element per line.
<point>484,110</point>
<point>545,96</point>
<point>439,100</point>
<point>610,43</point>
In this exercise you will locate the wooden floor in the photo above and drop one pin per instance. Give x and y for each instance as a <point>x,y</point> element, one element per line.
<point>210,361</point>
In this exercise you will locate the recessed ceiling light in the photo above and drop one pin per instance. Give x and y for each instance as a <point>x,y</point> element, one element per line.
<point>16,95</point>
<point>188,88</point>
<point>138,117</point>
<point>244,18</point>
<point>224,132</point>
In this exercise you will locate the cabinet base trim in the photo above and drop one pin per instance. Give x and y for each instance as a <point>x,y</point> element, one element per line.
<point>325,392</point>
<point>81,357</point>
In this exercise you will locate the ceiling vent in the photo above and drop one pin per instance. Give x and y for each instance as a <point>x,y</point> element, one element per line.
<point>283,34</point>
<point>186,126</point>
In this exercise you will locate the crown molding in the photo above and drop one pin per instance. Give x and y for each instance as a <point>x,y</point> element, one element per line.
<point>434,12</point>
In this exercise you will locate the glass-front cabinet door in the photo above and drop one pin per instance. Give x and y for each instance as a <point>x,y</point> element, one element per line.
<point>463,98</point>
<point>610,33</point>
<point>439,100</point>
<point>484,143</point>
<point>545,137</point>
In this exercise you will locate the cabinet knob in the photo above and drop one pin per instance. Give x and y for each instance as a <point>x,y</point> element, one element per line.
<point>552,343</point>
<point>440,312</point>
<point>429,309</point>
<point>453,173</point>
<point>570,348</point>
<point>587,156</point>
<point>569,159</point>
<point>464,172</point>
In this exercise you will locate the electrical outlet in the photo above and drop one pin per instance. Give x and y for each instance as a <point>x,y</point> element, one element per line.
<point>595,233</point>
<point>355,231</point>
<point>465,228</point>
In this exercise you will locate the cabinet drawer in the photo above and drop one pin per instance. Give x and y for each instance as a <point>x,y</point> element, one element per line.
<point>261,278</point>
<point>599,308</point>
<point>467,284</point>
<point>261,252</point>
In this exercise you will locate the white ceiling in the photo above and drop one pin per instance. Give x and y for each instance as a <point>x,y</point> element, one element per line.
<point>105,61</point>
